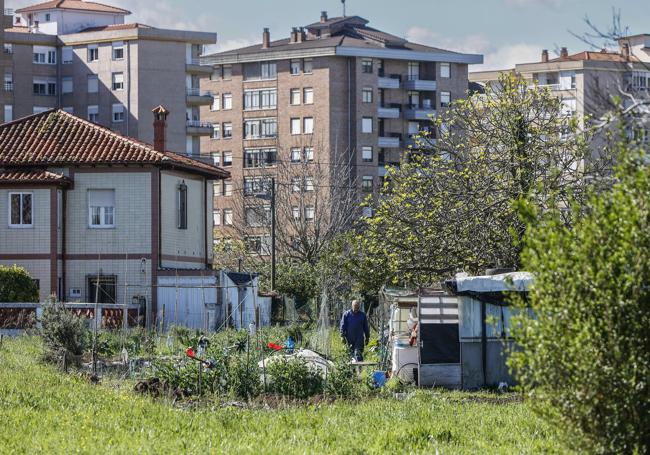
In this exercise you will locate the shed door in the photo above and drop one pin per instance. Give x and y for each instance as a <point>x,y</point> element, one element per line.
<point>439,339</point>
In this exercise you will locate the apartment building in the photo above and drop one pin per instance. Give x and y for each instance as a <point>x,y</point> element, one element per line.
<point>335,91</point>
<point>97,216</point>
<point>587,81</point>
<point>5,59</point>
<point>83,58</point>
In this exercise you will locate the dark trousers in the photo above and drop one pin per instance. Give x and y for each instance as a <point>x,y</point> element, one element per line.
<point>355,350</point>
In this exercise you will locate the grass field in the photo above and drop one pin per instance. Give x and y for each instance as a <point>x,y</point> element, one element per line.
<point>45,411</point>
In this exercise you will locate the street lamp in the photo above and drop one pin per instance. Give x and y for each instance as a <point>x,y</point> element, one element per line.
<point>271,197</point>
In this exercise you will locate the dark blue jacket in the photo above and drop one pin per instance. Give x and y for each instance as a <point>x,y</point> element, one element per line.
<point>354,326</point>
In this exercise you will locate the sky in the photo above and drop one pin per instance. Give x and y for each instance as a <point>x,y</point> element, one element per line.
<point>504,31</point>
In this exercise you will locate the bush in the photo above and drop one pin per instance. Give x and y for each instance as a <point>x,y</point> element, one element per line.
<point>341,381</point>
<point>62,330</point>
<point>292,377</point>
<point>586,355</point>
<point>244,379</point>
<point>16,285</point>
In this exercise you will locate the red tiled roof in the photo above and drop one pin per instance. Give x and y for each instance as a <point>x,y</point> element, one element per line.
<point>596,56</point>
<point>56,138</point>
<point>38,176</point>
<point>74,5</point>
<point>115,27</point>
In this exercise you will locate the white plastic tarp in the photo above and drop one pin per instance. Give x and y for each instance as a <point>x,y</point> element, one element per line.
<point>514,281</point>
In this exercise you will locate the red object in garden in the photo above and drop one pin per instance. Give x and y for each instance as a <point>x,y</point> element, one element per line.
<point>275,347</point>
<point>190,352</point>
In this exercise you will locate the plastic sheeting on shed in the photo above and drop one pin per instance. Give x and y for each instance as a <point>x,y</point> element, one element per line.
<point>514,281</point>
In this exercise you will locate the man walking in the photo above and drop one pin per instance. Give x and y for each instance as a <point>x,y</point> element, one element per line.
<point>354,327</point>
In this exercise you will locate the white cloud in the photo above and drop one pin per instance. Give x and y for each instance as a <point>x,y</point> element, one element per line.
<point>494,57</point>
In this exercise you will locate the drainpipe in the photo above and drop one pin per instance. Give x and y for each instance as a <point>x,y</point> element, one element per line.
<point>63,241</point>
<point>128,88</point>
<point>205,224</point>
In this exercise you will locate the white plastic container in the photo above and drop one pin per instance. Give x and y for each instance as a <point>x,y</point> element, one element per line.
<point>405,358</point>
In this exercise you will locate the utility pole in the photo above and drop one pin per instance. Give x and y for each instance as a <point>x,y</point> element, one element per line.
<point>273,234</point>
<point>343,1</point>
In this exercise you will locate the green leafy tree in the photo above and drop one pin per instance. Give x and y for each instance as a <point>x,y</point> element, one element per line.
<point>452,205</point>
<point>16,285</point>
<point>585,356</point>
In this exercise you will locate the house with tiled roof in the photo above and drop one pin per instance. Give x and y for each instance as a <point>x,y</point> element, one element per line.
<point>587,81</point>
<point>85,58</point>
<point>95,215</point>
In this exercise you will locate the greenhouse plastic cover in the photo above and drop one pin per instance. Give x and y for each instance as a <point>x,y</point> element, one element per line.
<point>514,281</point>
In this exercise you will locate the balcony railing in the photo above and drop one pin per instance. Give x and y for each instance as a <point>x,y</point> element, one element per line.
<point>389,110</point>
<point>195,91</point>
<point>9,87</point>
<point>199,124</point>
<point>420,84</point>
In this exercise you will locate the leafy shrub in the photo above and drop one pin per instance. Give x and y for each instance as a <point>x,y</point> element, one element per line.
<point>244,379</point>
<point>586,356</point>
<point>341,381</point>
<point>62,330</point>
<point>292,377</point>
<point>16,285</point>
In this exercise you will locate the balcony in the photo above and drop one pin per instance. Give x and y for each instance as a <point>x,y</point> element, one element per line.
<point>427,143</point>
<point>420,84</point>
<point>196,97</point>
<point>419,112</point>
<point>198,128</point>
<point>388,81</point>
<point>389,110</point>
<point>389,140</point>
<point>193,66</point>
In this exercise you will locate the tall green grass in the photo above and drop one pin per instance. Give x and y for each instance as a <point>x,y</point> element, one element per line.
<point>45,411</point>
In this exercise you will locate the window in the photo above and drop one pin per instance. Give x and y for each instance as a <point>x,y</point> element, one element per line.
<point>413,128</point>
<point>260,99</point>
<point>66,84</point>
<point>258,244</point>
<point>20,210</point>
<point>366,154</point>
<point>227,133</point>
<point>216,103</point>
<point>216,218</point>
<point>216,131</point>
<point>227,187</point>
<point>102,289</point>
<point>227,159</point>
<point>227,100</point>
<point>308,96</point>
<point>48,17</point>
<point>310,211</point>
<point>366,65</point>
<point>308,125</point>
<point>254,158</point>
<point>295,96</point>
<point>309,154</point>
<point>413,71</point>
<point>295,155</point>
<point>118,81</point>
<point>256,71</point>
<point>227,217</point>
<point>93,53</point>
<point>414,99</point>
<point>295,67</point>
<point>227,72</point>
<point>260,128</point>
<point>44,87</point>
<point>445,70</point>
<point>181,193</point>
<point>308,66</point>
<point>366,95</point>
<point>93,113</point>
<point>295,212</point>
<point>258,216</point>
<point>269,70</point>
<point>44,55</point>
<point>295,126</point>
<point>67,55</point>
<point>216,73</point>
<point>39,109</point>
<point>9,82</point>
<point>68,109</point>
<point>366,125</point>
<point>256,185</point>
<point>118,113</point>
<point>101,208</point>
<point>118,50</point>
<point>9,112</point>
<point>296,184</point>
<point>93,83</point>
<point>216,158</point>
<point>309,184</point>
<point>366,183</point>
<point>445,99</point>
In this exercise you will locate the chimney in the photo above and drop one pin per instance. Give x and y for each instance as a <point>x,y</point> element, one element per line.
<point>625,50</point>
<point>159,128</point>
<point>323,16</point>
<point>564,53</point>
<point>545,56</point>
<point>294,35</point>
<point>300,35</point>
<point>266,39</point>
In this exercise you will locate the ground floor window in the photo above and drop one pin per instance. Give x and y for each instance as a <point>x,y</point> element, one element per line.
<point>102,289</point>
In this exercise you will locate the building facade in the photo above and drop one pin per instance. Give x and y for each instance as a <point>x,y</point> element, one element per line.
<point>335,93</point>
<point>83,58</point>
<point>587,81</point>
<point>94,215</point>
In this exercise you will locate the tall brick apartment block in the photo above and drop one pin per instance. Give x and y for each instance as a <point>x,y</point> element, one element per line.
<point>334,88</point>
<point>83,58</point>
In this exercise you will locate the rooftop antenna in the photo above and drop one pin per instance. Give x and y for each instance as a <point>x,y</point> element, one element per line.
<point>343,2</point>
